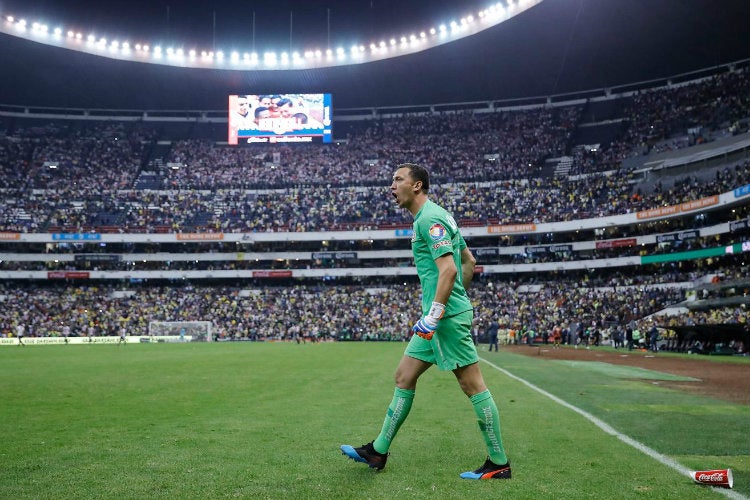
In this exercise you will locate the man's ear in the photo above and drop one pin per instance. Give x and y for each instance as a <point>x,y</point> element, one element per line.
<point>418,186</point>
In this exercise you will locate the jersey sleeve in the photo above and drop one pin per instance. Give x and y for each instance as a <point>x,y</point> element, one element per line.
<point>439,236</point>
<point>461,243</point>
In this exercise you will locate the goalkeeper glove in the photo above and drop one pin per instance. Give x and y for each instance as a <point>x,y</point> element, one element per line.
<point>426,326</point>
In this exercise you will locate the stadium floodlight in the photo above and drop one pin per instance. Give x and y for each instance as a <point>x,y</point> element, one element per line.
<point>269,59</point>
<point>490,16</point>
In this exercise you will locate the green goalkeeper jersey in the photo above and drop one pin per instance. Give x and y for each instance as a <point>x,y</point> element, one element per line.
<point>436,234</point>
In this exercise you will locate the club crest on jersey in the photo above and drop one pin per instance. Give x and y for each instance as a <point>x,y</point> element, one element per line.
<point>437,232</point>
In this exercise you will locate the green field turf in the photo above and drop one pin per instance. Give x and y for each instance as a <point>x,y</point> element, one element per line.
<point>265,420</point>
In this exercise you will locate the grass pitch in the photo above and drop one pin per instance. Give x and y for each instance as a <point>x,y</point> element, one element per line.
<point>265,420</point>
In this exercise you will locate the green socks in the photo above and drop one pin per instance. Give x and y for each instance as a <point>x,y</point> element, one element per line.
<point>484,407</point>
<point>489,423</point>
<point>398,410</point>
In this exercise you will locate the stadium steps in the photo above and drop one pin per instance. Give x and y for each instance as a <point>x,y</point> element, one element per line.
<point>148,180</point>
<point>557,167</point>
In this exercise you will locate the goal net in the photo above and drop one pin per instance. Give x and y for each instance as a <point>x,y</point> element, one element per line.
<point>181,331</point>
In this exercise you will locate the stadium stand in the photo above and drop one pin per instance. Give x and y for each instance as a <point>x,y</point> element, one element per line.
<point>599,214</point>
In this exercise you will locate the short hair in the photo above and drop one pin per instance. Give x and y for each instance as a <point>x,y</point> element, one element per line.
<point>259,110</point>
<point>418,173</point>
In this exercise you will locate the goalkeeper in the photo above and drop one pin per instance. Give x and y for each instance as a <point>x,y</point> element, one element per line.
<point>442,336</point>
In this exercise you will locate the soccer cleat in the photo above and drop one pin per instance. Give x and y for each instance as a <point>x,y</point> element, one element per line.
<point>366,454</point>
<point>489,470</point>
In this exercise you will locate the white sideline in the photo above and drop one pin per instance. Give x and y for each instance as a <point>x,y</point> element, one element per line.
<point>611,431</point>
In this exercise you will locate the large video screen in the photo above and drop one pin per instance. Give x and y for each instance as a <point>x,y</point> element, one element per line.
<point>279,118</point>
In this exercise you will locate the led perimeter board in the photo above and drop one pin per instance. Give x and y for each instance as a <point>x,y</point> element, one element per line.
<point>279,118</point>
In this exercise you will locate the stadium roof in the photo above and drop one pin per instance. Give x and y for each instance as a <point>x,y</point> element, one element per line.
<point>558,46</point>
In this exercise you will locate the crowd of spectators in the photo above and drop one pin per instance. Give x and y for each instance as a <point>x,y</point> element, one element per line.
<point>319,208</point>
<point>355,312</point>
<point>487,168</point>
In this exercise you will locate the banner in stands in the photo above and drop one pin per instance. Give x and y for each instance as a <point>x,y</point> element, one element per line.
<point>560,248</point>
<point>334,255</point>
<point>97,257</point>
<point>76,236</point>
<point>64,275</point>
<point>658,212</point>
<point>627,242</point>
<point>199,236</point>
<point>485,252</point>
<point>739,224</point>
<point>742,191</point>
<point>549,249</point>
<point>698,204</point>
<point>512,228</point>
<point>272,274</point>
<point>738,248</point>
<point>679,236</point>
<point>10,236</point>
<point>703,253</point>
<point>688,206</point>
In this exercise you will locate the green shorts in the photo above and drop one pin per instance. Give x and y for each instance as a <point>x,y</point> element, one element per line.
<point>451,347</point>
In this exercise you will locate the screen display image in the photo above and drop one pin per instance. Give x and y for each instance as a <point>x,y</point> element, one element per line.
<point>279,118</point>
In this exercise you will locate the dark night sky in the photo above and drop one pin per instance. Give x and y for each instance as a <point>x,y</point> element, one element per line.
<point>557,47</point>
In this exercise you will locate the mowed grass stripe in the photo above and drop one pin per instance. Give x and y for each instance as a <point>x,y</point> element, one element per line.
<point>621,371</point>
<point>266,420</point>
